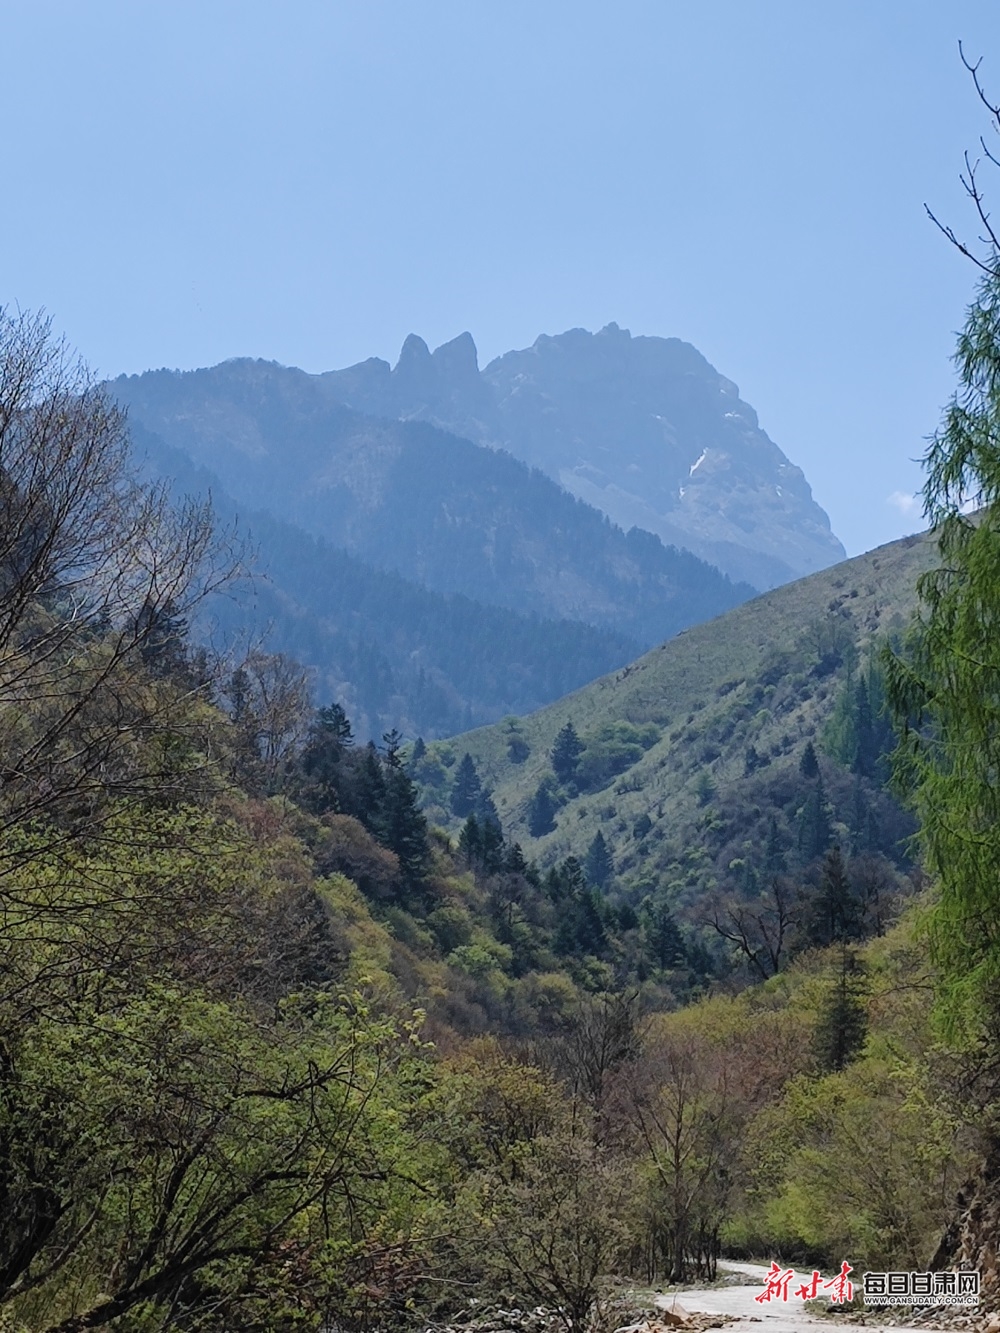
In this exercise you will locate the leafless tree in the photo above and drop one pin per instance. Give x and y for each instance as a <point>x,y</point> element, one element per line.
<point>760,928</point>
<point>270,702</point>
<point>92,562</point>
<point>970,178</point>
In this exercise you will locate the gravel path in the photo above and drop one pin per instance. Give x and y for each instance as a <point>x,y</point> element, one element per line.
<point>769,1317</point>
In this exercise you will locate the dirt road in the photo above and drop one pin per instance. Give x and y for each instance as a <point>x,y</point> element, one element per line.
<point>772,1316</point>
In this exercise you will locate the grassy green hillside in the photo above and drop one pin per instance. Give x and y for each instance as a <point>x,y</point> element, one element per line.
<point>690,750</point>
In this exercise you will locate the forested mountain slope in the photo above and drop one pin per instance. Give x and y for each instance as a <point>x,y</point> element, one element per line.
<point>278,1054</point>
<point>411,498</point>
<point>393,653</point>
<point>643,428</point>
<point>690,761</point>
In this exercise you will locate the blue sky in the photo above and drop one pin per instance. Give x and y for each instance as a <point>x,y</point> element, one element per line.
<point>309,182</point>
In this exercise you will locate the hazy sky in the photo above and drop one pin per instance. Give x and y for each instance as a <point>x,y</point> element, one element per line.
<point>309,182</point>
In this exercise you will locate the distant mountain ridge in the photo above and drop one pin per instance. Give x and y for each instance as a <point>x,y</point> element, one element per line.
<point>411,498</point>
<point>392,653</point>
<point>643,428</point>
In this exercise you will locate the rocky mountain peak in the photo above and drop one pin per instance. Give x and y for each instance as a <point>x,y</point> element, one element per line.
<point>458,360</point>
<point>643,428</point>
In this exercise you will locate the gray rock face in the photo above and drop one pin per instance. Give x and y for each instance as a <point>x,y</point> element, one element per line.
<point>644,429</point>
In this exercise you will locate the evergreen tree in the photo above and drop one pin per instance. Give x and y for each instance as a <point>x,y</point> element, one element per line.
<point>628,918</point>
<point>598,864</point>
<point>470,842</point>
<point>566,753</point>
<point>843,1020</point>
<point>542,810</point>
<point>840,733</point>
<point>481,846</point>
<point>573,880</point>
<point>514,862</point>
<point>467,792</point>
<point>809,764</point>
<point>581,928</point>
<point>320,764</point>
<point>661,935</point>
<point>591,934</point>
<point>492,854</point>
<point>247,767</point>
<point>833,911</point>
<point>240,694</point>
<point>487,812</point>
<point>402,824</point>
<point>775,861</point>
<point>393,742</point>
<point>815,830</point>
<point>365,796</point>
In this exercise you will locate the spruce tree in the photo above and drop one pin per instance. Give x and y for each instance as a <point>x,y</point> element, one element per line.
<point>566,753</point>
<point>467,791</point>
<point>487,812</point>
<point>321,772</point>
<point>403,826</point>
<point>862,826</point>
<point>598,864</point>
<point>842,1024</point>
<point>162,632</point>
<point>366,796</point>
<point>833,913</point>
<point>514,862</point>
<point>542,810</point>
<point>470,842</point>
<point>628,918</point>
<point>492,850</point>
<point>809,764</point>
<point>815,830</point>
<point>661,934</point>
<point>591,935</point>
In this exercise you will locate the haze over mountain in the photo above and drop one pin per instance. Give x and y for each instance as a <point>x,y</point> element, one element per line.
<point>409,497</point>
<point>393,653</point>
<point>372,517</point>
<point>643,428</point>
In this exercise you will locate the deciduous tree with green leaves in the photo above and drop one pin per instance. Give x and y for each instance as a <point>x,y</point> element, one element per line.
<point>945,686</point>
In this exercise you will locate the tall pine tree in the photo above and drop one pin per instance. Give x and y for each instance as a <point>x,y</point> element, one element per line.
<point>598,864</point>
<point>467,791</point>
<point>566,753</point>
